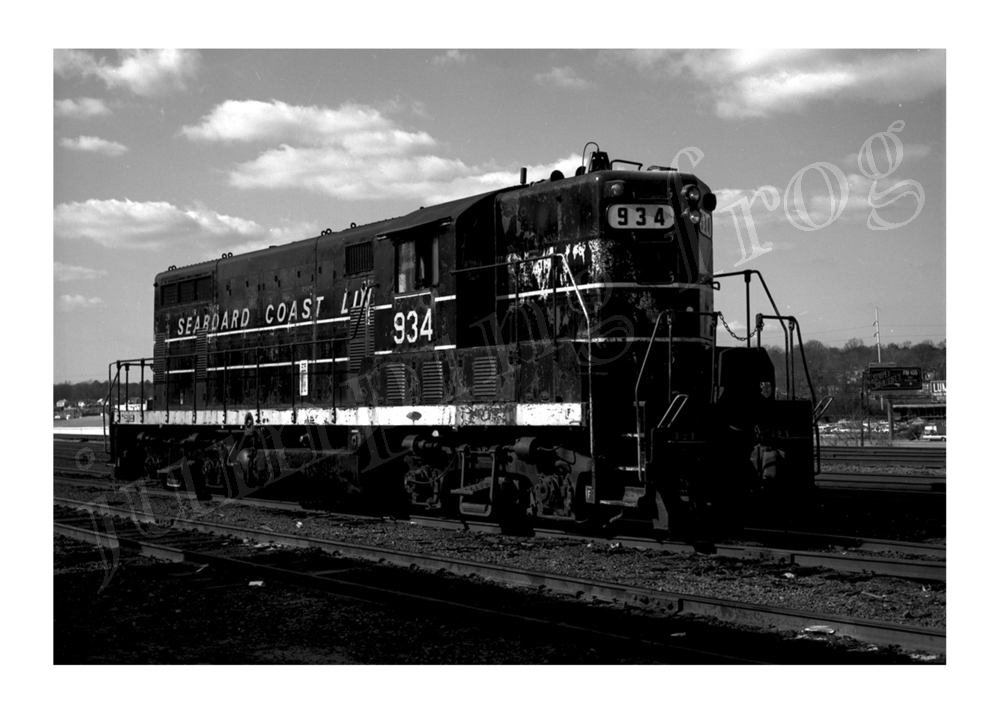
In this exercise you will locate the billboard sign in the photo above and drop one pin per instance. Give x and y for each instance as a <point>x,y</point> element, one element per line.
<point>888,378</point>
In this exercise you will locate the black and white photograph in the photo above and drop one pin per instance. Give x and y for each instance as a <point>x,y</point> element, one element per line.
<point>461,356</point>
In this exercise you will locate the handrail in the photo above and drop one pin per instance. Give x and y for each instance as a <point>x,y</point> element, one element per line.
<point>818,408</point>
<point>789,350</point>
<point>821,408</point>
<point>106,410</point>
<point>680,400</point>
<point>802,352</point>
<point>777,314</point>
<point>639,427</point>
<point>789,362</point>
<point>746,278</point>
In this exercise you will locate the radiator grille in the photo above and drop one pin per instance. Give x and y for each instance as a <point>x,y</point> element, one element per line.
<point>159,359</point>
<point>359,258</point>
<point>169,295</point>
<point>484,378</point>
<point>201,355</point>
<point>395,383</point>
<point>362,335</point>
<point>431,382</point>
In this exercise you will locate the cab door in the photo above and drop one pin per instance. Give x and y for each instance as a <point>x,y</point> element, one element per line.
<point>409,319</point>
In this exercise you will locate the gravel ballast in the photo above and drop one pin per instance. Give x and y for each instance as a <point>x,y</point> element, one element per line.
<point>810,589</point>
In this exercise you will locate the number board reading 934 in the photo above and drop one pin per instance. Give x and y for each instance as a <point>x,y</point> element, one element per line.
<point>656,216</point>
<point>411,326</point>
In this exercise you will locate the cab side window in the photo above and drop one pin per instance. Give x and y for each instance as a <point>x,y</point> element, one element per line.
<point>416,263</point>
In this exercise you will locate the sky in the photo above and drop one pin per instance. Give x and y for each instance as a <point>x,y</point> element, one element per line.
<point>169,157</point>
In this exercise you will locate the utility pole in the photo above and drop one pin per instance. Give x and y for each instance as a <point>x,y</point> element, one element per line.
<point>878,346</point>
<point>878,339</point>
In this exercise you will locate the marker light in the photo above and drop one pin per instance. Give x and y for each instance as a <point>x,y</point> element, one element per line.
<point>614,189</point>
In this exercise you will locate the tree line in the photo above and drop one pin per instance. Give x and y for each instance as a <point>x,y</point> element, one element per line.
<point>839,372</point>
<point>90,392</point>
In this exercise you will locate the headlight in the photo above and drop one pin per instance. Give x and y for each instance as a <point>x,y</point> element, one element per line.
<point>692,194</point>
<point>614,189</point>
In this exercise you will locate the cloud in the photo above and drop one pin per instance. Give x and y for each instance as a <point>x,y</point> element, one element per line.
<point>811,202</point>
<point>130,224</point>
<point>563,77</point>
<point>883,161</point>
<point>66,273</point>
<point>83,108</point>
<point>146,73</point>
<point>353,127</point>
<point>69,303</point>
<point>480,179</point>
<point>94,145</point>
<point>760,83</point>
<point>894,200</point>
<point>432,179</point>
<point>764,208</point>
<point>451,57</point>
<point>354,152</point>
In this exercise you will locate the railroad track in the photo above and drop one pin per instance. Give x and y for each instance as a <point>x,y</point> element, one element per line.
<point>778,551</point>
<point>930,456</point>
<point>187,539</point>
<point>842,561</point>
<point>342,575</point>
<point>880,482</point>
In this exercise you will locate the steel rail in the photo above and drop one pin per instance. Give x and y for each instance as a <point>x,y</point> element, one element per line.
<point>99,476</point>
<point>894,483</point>
<point>881,633</point>
<point>185,495</point>
<point>934,456</point>
<point>858,543</point>
<point>901,568</point>
<point>184,549</point>
<point>841,562</point>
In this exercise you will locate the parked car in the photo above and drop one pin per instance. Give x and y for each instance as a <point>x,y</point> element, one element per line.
<point>931,433</point>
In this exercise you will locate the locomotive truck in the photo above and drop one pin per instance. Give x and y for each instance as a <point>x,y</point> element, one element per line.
<point>542,351</point>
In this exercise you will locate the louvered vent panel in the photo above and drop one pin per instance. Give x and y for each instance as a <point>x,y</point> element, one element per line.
<point>395,383</point>
<point>187,291</point>
<point>431,382</point>
<point>359,258</point>
<point>159,359</point>
<point>356,345</point>
<point>203,289</point>
<point>484,378</point>
<point>201,355</point>
<point>362,336</point>
<point>169,295</point>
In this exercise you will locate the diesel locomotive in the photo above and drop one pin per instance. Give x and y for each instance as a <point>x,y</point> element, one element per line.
<point>543,351</point>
